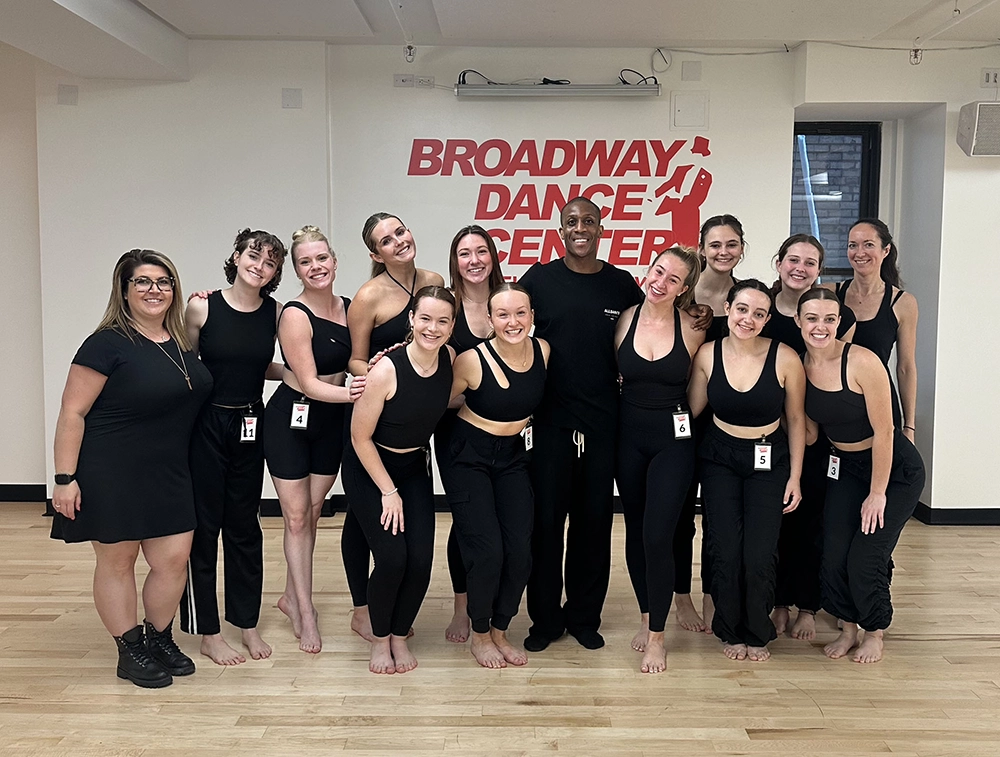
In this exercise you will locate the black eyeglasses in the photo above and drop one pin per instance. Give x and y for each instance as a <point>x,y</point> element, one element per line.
<point>143,283</point>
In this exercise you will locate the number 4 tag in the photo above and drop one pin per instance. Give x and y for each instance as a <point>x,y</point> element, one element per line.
<point>300,415</point>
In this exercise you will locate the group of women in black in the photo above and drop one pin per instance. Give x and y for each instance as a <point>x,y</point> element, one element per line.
<point>725,408</point>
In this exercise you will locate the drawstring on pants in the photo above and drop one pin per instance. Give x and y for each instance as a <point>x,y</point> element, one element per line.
<point>579,440</point>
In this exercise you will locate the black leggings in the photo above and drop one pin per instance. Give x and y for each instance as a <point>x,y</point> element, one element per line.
<point>744,507</point>
<point>489,492</point>
<point>856,566</point>
<point>685,531</point>
<point>397,585</point>
<point>654,472</point>
<point>442,445</point>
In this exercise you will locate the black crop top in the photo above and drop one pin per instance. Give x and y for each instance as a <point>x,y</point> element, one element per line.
<point>331,342</point>
<point>237,347</point>
<point>761,405</point>
<point>654,384</point>
<point>842,413</point>
<point>393,331</point>
<point>877,334</point>
<point>408,418</point>
<point>524,393</point>
<point>462,338</point>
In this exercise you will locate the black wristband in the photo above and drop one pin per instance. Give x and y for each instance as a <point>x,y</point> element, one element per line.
<point>65,478</point>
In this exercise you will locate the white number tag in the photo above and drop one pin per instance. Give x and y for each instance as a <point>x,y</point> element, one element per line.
<point>682,425</point>
<point>248,432</point>
<point>528,440</point>
<point>300,415</point>
<point>762,457</point>
<point>834,470</point>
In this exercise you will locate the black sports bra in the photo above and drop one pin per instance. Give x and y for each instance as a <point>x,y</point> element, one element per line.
<point>877,334</point>
<point>654,384</point>
<point>393,331</point>
<point>761,405</point>
<point>462,338</point>
<point>841,412</point>
<point>523,393</point>
<point>331,342</point>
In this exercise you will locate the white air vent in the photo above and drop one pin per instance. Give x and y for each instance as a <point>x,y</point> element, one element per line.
<point>979,128</point>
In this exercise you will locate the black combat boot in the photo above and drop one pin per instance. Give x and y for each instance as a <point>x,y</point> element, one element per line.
<point>165,651</point>
<point>136,664</point>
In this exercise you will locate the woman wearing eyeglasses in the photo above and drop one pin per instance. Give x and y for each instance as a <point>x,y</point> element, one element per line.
<point>123,483</point>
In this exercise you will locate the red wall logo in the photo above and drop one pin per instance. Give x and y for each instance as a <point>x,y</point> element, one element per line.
<point>650,192</point>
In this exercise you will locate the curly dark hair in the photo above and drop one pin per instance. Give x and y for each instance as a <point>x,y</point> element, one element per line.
<point>257,240</point>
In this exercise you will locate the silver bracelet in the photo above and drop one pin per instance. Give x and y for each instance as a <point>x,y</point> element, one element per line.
<point>391,492</point>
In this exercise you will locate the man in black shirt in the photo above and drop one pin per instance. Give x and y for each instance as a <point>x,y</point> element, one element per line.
<point>577,300</point>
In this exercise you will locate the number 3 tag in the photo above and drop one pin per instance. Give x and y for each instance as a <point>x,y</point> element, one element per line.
<point>762,457</point>
<point>300,415</point>
<point>682,425</point>
<point>834,470</point>
<point>248,433</point>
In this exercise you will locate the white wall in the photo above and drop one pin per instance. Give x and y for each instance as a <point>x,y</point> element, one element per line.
<point>22,443</point>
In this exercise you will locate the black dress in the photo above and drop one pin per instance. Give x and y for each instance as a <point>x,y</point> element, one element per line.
<point>133,471</point>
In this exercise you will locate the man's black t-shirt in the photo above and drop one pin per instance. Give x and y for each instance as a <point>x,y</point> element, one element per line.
<point>576,313</point>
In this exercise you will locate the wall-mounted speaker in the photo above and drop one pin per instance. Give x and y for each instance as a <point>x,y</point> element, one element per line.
<point>979,128</point>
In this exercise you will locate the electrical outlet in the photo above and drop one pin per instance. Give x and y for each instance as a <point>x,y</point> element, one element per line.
<point>425,81</point>
<point>402,80</point>
<point>990,77</point>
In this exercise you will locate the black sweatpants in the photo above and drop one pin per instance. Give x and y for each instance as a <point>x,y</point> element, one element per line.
<point>856,566</point>
<point>800,542</point>
<point>397,585</point>
<point>654,472</point>
<point>227,476</point>
<point>744,508</point>
<point>442,446</point>
<point>685,531</point>
<point>574,481</point>
<point>489,492</point>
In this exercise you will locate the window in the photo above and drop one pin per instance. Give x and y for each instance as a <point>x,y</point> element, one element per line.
<point>835,170</point>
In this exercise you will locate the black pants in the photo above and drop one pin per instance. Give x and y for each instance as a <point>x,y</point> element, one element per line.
<point>489,492</point>
<point>575,482</point>
<point>397,585</point>
<point>685,531</point>
<point>654,472</point>
<point>442,445</point>
<point>855,573</point>
<point>800,542</point>
<point>227,476</point>
<point>744,507</point>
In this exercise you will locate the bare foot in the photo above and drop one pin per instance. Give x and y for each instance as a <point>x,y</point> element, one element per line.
<point>870,650</point>
<point>288,605</point>
<point>310,640</point>
<point>486,652</point>
<point>687,616</point>
<point>405,661</point>
<point>259,649</point>
<point>513,655</point>
<point>758,654</point>
<point>707,611</point>
<point>361,623</point>
<point>458,630</point>
<point>844,643</point>
<point>639,640</point>
<point>215,647</point>
<point>655,658</point>
<point>805,626</point>
<point>779,616</point>
<point>735,651</point>
<point>381,660</point>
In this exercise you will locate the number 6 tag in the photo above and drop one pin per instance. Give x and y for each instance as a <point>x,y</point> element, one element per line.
<point>834,470</point>
<point>762,457</point>
<point>300,415</point>
<point>682,425</point>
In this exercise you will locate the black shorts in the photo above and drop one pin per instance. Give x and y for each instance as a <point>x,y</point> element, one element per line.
<point>293,453</point>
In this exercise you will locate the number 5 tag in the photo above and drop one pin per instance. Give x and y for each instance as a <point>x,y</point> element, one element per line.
<point>834,470</point>
<point>762,457</point>
<point>300,415</point>
<point>682,425</point>
<point>248,433</point>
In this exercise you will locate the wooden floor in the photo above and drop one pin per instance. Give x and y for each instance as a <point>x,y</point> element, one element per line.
<point>936,693</point>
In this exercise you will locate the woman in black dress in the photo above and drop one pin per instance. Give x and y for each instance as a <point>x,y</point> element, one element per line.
<point>121,459</point>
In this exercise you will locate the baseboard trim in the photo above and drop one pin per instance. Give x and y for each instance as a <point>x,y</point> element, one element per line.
<point>987,516</point>
<point>22,492</point>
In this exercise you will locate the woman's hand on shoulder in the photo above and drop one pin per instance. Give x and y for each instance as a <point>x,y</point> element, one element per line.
<point>702,314</point>
<point>201,294</point>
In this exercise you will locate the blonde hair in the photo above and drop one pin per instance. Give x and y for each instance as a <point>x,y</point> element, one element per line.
<point>366,234</point>
<point>118,317</point>
<point>308,234</point>
<point>688,256</point>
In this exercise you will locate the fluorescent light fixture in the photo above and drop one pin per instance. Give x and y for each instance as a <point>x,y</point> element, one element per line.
<point>557,90</point>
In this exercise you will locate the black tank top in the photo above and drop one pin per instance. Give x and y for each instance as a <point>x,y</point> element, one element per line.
<point>331,342</point>
<point>717,329</point>
<point>842,413</point>
<point>409,417</point>
<point>760,405</point>
<point>519,400</point>
<point>654,384</point>
<point>393,331</point>
<point>237,348</point>
<point>782,327</point>
<point>879,333</point>
<point>462,338</point>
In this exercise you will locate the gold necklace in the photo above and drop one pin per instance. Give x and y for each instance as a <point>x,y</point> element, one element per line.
<point>526,350</point>
<point>423,368</point>
<point>182,366</point>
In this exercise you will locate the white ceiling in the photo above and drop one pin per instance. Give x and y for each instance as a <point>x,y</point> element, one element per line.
<point>552,23</point>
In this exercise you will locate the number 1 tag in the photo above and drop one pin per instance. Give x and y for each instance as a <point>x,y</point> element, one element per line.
<point>300,415</point>
<point>248,433</point>
<point>762,457</point>
<point>682,425</point>
<point>834,470</point>
<point>528,440</point>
